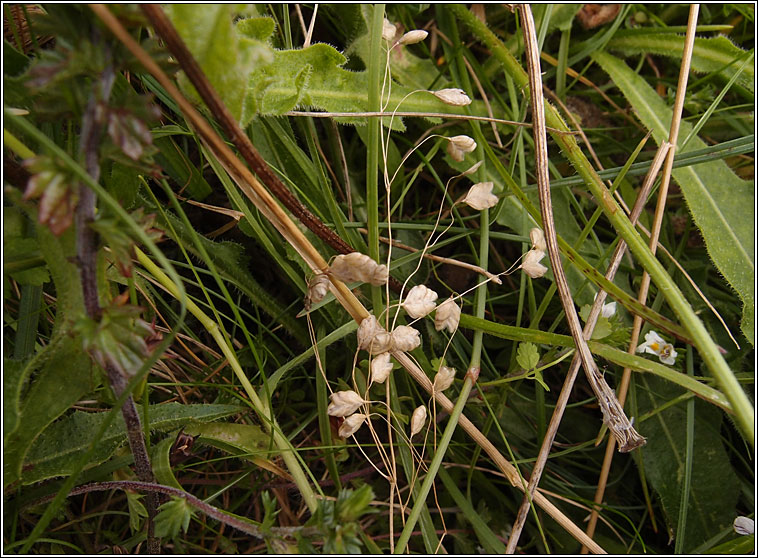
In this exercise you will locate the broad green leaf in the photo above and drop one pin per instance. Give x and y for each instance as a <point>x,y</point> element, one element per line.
<point>238,439</point>
<point>62,376</point>
<point>57,450</point>
<point>714,487</point>
<point>527,356</point>
<point>709,55</point>
<point>740,545</point>
<point>722,204</point>
<point>226,56</point>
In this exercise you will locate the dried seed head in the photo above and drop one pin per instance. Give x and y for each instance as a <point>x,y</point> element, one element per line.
<point>351,425</point>
<point>420,301</point>
<point>464,143</point>
<point>358,267</point>
<point>444,378</point>
<point>418,419</point>
<point>413,37</point>
<point>388,30</point>
<point>531,264</point>
<point>405,338</point>
<point>538,239</point>
<point>317,289</point>
<point>372,337</point>
<point>455,97</point>
<point>381,368</point>
<point>455,153</point>
<point>480,196</point>
<point>447,316</point>
<point>344,403</point>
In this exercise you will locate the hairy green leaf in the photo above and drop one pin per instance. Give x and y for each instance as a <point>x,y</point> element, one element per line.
<point>709,55</point>
<point>527,356</point>
<point>57,450</point>
<point>722,204</point>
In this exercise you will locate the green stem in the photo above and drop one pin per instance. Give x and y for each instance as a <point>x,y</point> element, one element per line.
<point>447,435</point>
<point>702,340</point>
<point>284,446</point>
<point>375,72</point>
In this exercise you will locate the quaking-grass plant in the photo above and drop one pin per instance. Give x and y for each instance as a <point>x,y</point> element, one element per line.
<point>237,258</point>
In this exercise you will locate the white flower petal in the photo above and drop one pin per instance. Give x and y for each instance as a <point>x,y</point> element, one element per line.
<point>418,419</point>
<point>405,338</point>
<point>420,301</point>
<point>447,316</point>
<point>480,196</point>
<point>653,343</point>
<point>381,368</point>
<point>667,354</point>
<point>344,403</point>
<point>351,425</point>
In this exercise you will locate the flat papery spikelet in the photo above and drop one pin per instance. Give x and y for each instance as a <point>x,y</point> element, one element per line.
<point>418,419</point>
<point>317,288</point>
<point>531,264</point>
<point>380,368</point>
<point>480,196</point>
<point>413,37</point>
<point>447,316</point>
<point>344,403</point>
<point>420,301</point>
<point>358,267</point>
<point>452,96</point>
<point>388,30</point>
<point>538,239</point>
<point>351,425</point>
<point>372,337</point>
<point>405,338</point>
<point>464,143</point>
<point>443,379</point>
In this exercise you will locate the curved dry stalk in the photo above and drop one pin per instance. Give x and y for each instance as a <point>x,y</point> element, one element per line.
<point>266,204</point>
<point>689,41</point>
<point>613,413</point>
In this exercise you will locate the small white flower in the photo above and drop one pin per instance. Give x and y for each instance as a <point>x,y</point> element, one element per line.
<point>444,378</point>
<point>455,97</point>
<point>351,425</point>
<point>358,267</point>
<point>413,37</point>
<point>608,310</point>
<point>388,30</point>
<point>420,301</point>
<point>381,368</point>
<point>405,338</point>
<point>538,239</point>
<point>480,196</point>
<point>744,525</point>
<point>531,264</point>
<point>418,419</point>
<point>447,316</point>
<point>372,337</point>
<point>656,345</point>
<point>344,403</point>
